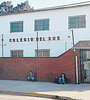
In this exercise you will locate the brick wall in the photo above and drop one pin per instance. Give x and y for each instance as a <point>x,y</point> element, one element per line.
<point>45,69</point>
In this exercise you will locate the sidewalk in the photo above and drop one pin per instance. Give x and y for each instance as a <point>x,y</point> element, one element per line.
<point>76,91</point>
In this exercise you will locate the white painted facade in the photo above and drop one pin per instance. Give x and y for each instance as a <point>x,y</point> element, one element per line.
<point>58,26</point>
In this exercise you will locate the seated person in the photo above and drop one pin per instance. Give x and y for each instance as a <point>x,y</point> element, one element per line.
<point>62,78</point>
<point>31,76</point>
<point>56,80</point>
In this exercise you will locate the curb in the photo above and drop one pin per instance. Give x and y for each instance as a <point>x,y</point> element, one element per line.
<point>37,95</point>
<point>27,94</point>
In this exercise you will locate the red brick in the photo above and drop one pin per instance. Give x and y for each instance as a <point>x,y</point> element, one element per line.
<point>46,69</point>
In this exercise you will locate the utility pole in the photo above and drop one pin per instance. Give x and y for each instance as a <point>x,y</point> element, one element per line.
<point>2,46</point>
<point>37,61</point>
<point>37,44</point>
<point>76,61</point>
<point>72,37</point>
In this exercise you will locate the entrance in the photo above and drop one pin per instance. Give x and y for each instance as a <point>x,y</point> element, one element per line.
<point>85,66</point>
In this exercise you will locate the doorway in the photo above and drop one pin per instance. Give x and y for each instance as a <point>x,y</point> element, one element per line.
<point>85,66</point>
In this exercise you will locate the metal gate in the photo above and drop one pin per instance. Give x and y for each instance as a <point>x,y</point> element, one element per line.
<point>85,66</point>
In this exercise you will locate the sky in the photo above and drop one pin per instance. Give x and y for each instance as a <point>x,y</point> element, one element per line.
<point>37,4</point>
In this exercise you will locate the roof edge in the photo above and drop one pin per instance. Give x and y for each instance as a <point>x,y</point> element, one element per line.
<point>51,8</point>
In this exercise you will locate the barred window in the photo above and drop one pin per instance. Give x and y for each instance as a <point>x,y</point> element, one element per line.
<point>88,54</point>
<point>16,53</point>
<point>16,27</point>
<point>41,24</point>
<point>77,21</point>
<point>42,53</point>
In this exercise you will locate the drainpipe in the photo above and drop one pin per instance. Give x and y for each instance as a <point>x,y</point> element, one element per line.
<point>76,67</point>
<point>76,60</point>
<point>76,63</point>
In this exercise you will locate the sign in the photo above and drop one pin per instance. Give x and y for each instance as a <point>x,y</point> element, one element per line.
<point>34,39</point>
<point>85,65</point>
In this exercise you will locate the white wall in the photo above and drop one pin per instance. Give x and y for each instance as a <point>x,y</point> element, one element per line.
<point>58,27</point>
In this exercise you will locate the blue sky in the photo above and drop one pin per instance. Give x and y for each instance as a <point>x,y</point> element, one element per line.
<point>45,3</point>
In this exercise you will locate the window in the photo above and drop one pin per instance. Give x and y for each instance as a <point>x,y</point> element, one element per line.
<point>43,53</point>
<point>41,24</point>
<point>88,54</point>
<point>16,53</point>
<point>16,27</point>
<point>77,21</point>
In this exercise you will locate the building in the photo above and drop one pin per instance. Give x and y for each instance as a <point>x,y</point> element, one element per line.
<point>45,32</point>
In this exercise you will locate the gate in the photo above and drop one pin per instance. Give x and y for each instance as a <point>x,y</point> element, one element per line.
<point>85,66</point>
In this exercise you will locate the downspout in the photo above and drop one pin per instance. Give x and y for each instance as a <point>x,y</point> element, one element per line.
<point>76,61</point>
<point>76,67</point>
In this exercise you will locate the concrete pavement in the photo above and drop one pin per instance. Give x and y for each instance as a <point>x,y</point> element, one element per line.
<point>20,97</point>
<point>76,91</point>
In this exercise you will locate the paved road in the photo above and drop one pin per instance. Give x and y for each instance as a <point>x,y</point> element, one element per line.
<point>14,97</point>
<point>78,91</point>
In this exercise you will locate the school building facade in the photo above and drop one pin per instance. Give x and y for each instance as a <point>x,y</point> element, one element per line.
<point>44,41</point>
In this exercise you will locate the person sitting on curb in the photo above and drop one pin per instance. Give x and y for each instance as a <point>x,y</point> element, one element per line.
<point>31,76</point>
<point>62,79</point>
